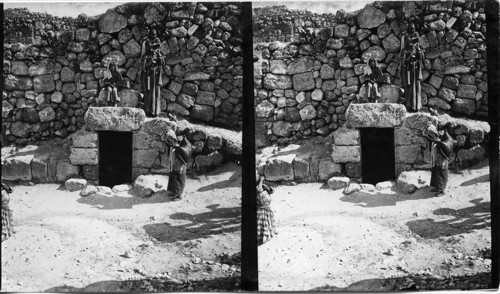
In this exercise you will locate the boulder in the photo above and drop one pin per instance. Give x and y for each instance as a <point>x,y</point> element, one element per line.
<point>146,141</point>
<point>144,158</point>
<point>121,188</point>
<point>382,115</point>
<point>301,65</point>
<point>132,49</point>
<point>66,170</point>
<point>439,104</point>
<point>47,114</point>
<point>472,155</point>
<point>351,188</point>
<point>75,184</point>
<point>407,154</point>
<point>410,181</point>
<point>88,190</point>
<point>44,83</point>
<point>264,109</point>
<point>307,113</point>
<point>385,185</point>
<point>278,67</point>
<point>112,22</point>
<point>419,120</point>
<point>208,161</point>
<point>376,52</point>
<point>368,187</point>
<point>84,139</point>
<point>370,17</point>
<point>121,119</point>
<point>346,137</point>
<point>336,183</point>
<point>129,98</point>
<point>159,125</point>
<point>280,168</point>
<point>83,156</point>
<point>104,190</point>
<point>146,185</point>
<point>303,81</point>
<point>391,44</point>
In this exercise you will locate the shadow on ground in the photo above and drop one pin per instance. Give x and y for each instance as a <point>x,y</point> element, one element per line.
<point>202,225</point>
<point>155,285</point>
<point>478,180</point>
<point>233,182</point>
<point>108,202</point>
<point>384,198</point>
<point>414,283</point>
<point>464,220</point>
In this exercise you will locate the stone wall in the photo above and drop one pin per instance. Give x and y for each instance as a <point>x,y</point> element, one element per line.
<point>303,87</point>
<point>212,147</point>
<point>341,155</point>
<point>55,73</point>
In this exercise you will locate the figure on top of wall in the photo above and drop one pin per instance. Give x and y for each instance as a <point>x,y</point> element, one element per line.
<point>152,63</point>
<point>372,75</point>
<point>411,68</point>
<point>112,78</point>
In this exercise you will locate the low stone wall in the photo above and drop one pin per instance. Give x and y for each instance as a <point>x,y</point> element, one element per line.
<point>342,156</point>
<point>212,147</point>
<point>56,72</point>
<point>304,86</point>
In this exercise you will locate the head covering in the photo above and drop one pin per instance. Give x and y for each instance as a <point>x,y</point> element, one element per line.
<point>368,69</point>
<point>108,74</point>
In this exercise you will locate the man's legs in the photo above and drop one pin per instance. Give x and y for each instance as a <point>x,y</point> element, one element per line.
<point>179,180</point>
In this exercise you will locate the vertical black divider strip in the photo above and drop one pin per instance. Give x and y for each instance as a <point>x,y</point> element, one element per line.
<point>493,50</point>
<point>1,79</point>
<point>249,263</point>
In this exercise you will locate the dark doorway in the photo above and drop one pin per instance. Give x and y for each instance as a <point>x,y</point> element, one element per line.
<point>377,154</point>
<point>115,158</point>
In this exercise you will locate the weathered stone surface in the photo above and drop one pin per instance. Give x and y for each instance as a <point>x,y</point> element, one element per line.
<point>410,181</point>
<point>272,82</point>
<point>121,119</point>
<point>476,135</point>
<point>91,172</point>
<point>472,155</point>
<point>342,154</point>
<point>17,168</point>
<point>464,106</point>
<point>66,170</point>
<point>303,81</point>
<point>132,49</point>
<point>382,115</point>
<point>405,136</point>
<point>83,156</point>
<point>466,91</point>
<point>146,141</point>
<point>47,114</point>
<point>456,69</point>
<point>328,168</point>
<point>385,185</point>
<point>18,83</point>
<point>19,68</point>
<point>391,44</point>
<point>75,184</point>
<point>207,161</point>
<point>202,112</point>
<point>205,98</point>
<point>336,183</point>
<point>282,128</point>
<point>389,94</point>
<point>159,126</point>
<point>88,190</point>
<point>327,72</point>
<point>351,188</point>
<point>264,109</point>
<point>177,109</point>
<point>307,113</point>
<point>84,139</point>
<point>116,56</point>
<point>39,169</point>
<point>419,120</point>
<point>41,67</point>
<point>129,98</point>
<point>301,65</point>
<point>20,129</point>
<point>279,168</point>
<point>278,67</point>
<point>146,185</point>
<point>317,95</point>
<point>370,17</point>
<point>376,52</point>
<point>407,154</point>
<point>112,22</point>
<point>44,83</point>
<point>301,168</point>
<point>144,158</point>
<point>346,137</point>
<point>353,169</point>
<point>122,188</point>
<point>439,104</point>
<point>196,76</point>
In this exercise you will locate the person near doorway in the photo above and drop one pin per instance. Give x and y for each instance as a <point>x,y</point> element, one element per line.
<point>112,78</point>
<point>372,75</point>
<point>152,63</point>
<point>265,215</point>
<point>7,229</point>
<point>179,151</point>
<point>441,146</point>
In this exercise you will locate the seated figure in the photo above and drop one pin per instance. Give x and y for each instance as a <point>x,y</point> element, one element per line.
<point>372,75</point>
<point>111,80</point>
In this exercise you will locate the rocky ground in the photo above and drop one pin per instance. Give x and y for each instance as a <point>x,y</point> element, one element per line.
<point>383,240</point>
<point>121,242</point>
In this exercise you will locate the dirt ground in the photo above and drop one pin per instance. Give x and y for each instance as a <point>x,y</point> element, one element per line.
<point>120,242</point>
<point>384,240</point>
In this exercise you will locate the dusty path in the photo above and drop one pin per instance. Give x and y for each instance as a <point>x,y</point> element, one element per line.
<point>66,242</point>
<point>365,241</point>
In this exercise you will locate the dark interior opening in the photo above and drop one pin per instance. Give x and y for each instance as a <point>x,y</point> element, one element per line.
<point>115,158</point>
<point>377,155</point>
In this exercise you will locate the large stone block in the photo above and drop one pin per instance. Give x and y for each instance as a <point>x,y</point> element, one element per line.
<point>280,168</point>
<point>370,17</point>
<point>277,67</point>
<point>146,141</point>
<point>146,185</point>
<point>121,119</point>
<point>464,106</point>
<point>411,181</point>
<point>84,139</point>
<point>405,136</point>
<point>144,158</point>
<point>307,113</point>
<point>91,172</point>
<point>389,94</point>
<point>382,115</point>
<point>66,170</point>
<point>466,91</point>
<point>18,83</point>
<point>346,137</point>
<point>353,169</point>
<point>273,82</point>
<point>301,168</point>
<point>17,168</point>
<point>327,168</point>
<point>39,169</point>
<point>83,156</point>
<point>407,154</point>
<point>304,81</point>
<point>336,183</point>
<point>303,64</point>
<point>342,154</point>
<point>472,155</point>
<point>44,83</point>
<point>419,120</point>
<point>207,161</point>
<point>112,22</point>
<point>129,98</point>
<point>202,112</point>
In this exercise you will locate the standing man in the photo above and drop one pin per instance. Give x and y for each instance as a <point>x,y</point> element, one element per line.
<point>179,152</point>
<point>441,147</point>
